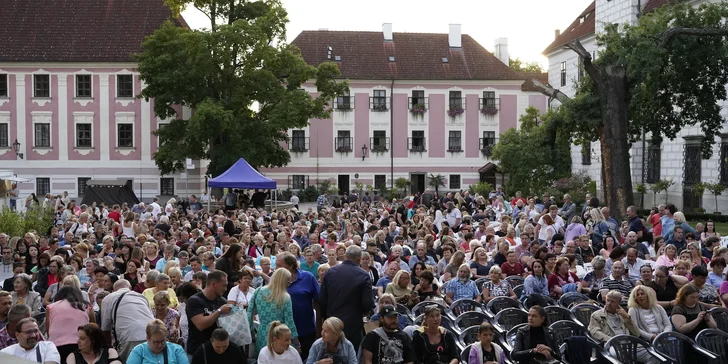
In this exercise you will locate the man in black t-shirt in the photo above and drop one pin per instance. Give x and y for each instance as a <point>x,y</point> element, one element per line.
<point>204,308</point>
<point>395,349</point>
<point>401,216</point>
<point>218,350</point>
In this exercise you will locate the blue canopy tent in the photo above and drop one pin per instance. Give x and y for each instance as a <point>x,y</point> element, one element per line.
<point>242,175</point>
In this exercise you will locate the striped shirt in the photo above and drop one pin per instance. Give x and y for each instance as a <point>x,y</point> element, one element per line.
<point>624,286</point>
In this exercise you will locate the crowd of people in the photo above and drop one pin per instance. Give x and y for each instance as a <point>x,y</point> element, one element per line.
<point>176,284</point>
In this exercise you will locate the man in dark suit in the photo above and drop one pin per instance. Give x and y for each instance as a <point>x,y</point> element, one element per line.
<point>346,293</point>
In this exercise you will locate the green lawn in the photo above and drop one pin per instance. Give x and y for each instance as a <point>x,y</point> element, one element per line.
<point>720,227</point>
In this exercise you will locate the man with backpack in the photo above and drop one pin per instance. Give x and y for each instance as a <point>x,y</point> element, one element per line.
<point>386,344</point>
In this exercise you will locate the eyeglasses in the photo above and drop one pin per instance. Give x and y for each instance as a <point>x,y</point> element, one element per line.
<point>31,332</point>
<point>159,342</point>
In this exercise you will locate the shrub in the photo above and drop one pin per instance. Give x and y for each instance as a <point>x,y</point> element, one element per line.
<point>482,188</point>
<point>34,219</point>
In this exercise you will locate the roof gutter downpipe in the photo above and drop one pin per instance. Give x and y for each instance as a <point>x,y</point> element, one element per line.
<point>391,133</point>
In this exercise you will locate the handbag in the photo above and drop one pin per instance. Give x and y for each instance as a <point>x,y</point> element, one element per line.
<point>236,324</point>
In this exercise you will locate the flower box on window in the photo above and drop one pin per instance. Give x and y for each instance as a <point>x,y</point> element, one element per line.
<point>487,150</point>
<point>454,111</point>
<point>418,109</point>
<point>298,150</point>
<point>455,149</point>
<point>343,149</point>
<point>379,149</point>
<point>489,110</point>
<point>417,148</point>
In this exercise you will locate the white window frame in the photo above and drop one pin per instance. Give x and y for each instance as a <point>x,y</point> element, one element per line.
<point>43,117</point>
<point>75,86</point>
<point>125,118</point>
<point>117,86</point>
<point>50,86</point>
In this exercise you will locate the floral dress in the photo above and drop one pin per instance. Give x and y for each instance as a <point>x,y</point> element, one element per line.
<point>268,312</point>
<point>170,321</point>
<point>708,294</point>
<point>502,289</point>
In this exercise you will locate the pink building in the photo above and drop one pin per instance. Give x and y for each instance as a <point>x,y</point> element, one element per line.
<point>67,96</point>
<point>418,104</point>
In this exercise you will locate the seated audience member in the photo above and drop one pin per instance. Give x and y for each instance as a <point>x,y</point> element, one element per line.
<point>387,344</point>
<point>157,349</point>
<point>708,293</point>
<point>617,281</point>
<point>485,351</point>
<point>218,350</point>
<point>388,299</point>
<point>497,287</point>
<point>690,316</point>
<point>612,319</point>
<point>332,345</point>
<point>279,349</point>
<point>92,347</point>
<point>30,345</point>
<point>593,280</point>
<point>432,343</point>
<point>666,287</point>
<point>461,287</point>
<point>650,318</point>
<point>534,342</point>
<point>562,280</point>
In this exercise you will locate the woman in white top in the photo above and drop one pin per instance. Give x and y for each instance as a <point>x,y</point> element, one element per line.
<point>650,317</point>
<point>169,209</point>
<point>128,227</point>
<point>279,350</point>
<point>241,294</point>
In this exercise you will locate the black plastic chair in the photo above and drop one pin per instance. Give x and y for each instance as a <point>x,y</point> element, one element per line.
<point>625,349</point>
<point>515,280</point>
<point>404,311</point>
<point>678,348</point>
<point>715,341</point>
<point>468,319</point>
<point>549,302</point>
<point>571,298</point>
<point>465,305</point>
<point>601,357</point>
<point>445,321</point>
<point>500,303</point>
<point>720,315</point>
<point>583,311</point>
<point>518,290</point>
<point>558,313</point>
<point>510,336</point>
<point>419,309</point>
<point>469,335</point>
<point>509,318</point>
<point>480,282</point>
<point>564,329</point>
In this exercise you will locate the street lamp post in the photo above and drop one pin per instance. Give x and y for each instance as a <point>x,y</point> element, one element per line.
<point>16,148</point>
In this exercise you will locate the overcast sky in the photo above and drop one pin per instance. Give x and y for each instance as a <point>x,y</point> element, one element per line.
<point>528,24</point>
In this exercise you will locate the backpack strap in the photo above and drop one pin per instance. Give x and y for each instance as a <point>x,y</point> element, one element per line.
<point>113,318</point>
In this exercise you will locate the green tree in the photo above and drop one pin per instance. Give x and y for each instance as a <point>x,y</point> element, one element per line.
<point>716,189</point>
<point>241,78</point>
<point>536,154</point>
<point>659,186</point>
<point>641,188</point>
<point>521,66</point>
<point>482,188</point>
<point>658,76</point>
<point>436,181</point>
<point>401,183</point>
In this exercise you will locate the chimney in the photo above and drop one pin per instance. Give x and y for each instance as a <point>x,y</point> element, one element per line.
<point>501,50</point>
<point>455,36</point>
<point>387,30</point>
<point>557,33</point>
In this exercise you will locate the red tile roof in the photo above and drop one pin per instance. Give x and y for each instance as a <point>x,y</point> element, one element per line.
<point>417,56</point>
<point>78,30</point>
<point>528,85</point>
<point>582,26</point>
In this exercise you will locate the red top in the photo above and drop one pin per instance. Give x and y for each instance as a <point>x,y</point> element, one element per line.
<point>115,215</point>
<point>515,270</point>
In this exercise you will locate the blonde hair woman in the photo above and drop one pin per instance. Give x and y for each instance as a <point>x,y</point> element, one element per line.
<point>272,303</point>
<point>650,317</point>
<point>332,342</point>
<point>401,289</point>
<point>278,349</point>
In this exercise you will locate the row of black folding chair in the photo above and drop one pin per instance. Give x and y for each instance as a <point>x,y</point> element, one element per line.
<point>715,341</point>
<point>720,315</point>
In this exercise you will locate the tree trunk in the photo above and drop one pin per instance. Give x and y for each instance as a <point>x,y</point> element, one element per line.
<point>614,141</point>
